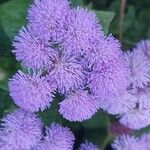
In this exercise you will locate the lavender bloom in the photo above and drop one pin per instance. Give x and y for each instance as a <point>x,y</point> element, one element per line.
<point>67,71</point>
<point>45,16</point>
<point>79,106</point>
<point>57,138</point>
<point>31,93</point>
<point>139,66</point>
<point>120,104</point>
<point>21,130</point>
<point>107,49</point>
<point>126,142</point>
<point>136,119</point>
<point>88,146</point>
<point>32,50</point>
<point>83,30</point>
<point>144,46</point>
<point>109,79</point>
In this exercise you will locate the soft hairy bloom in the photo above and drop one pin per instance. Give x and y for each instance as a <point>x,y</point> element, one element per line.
<point>21,130</point>
<point>144,45</point>
<point>79,106</point>
<point>136,119</point>
<point>126,142</point>
<point>120,104</point>
<point>31,93</point>
<point>57,138</point>
<point>88,146</point>
<point>109,79</point>
<point>48,17</point>
<point>107,49</point>
<point>67,71</point>
<point>139,66</point>
<point>83,30</point>
<point>145,141</point>
<point>32,50</point>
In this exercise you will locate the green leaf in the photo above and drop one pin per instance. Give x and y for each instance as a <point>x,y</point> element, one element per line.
<point>77,3</point>
<point>13,16</point>
<point>105,18</point>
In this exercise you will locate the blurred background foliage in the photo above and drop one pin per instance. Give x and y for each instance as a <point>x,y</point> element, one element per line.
<point>134,26</point>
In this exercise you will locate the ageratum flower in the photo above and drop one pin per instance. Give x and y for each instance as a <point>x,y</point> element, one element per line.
<point>145,141</point>
<point>126,142</point>
<point>139,66</point>
<point>88,146</point>
<point>120,104</point>
<point>136,119</point>
<point>109,79</point>
<point>107,49</point>
<point>21,130</point>
<point>57,138</point>
<point>79,106</point>
<point>144,46</point>
<point>31,93</point>
<point>67,71</point>
<point>32,50</point>
<point>45,16</point>
<point>83,30</point>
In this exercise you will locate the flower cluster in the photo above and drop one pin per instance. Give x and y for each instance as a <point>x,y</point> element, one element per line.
<point>70,54</point>
<point>126,142</point>
<point>23,130</point>
<point>133,106</point>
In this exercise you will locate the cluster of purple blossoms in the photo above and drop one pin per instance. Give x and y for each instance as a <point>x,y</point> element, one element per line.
<point>23,130</point>
<point>70,54</point>
<point>126,142</point>
<point>133,106</point>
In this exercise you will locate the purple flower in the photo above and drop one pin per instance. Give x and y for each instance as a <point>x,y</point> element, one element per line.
<point>109,79</point>
<point>57,138</point>
<point>32,50</point>
<point>67,71</point>
<point>139,67</point>
<point>21,130</point>
<point>136,119</point>
<point>48,17</point>
<point>126,142</point>
<point>79,106</point>
<point>88,146</point>
<point>107,49</point>
<point>83,30</point>
<point>31,93</point>
<point>120,104</point>
<point>144,46</point>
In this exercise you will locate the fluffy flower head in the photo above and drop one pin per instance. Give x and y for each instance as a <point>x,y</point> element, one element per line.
<point>21,130</point>
<point>83,30</point>
<point>45,16</point>
<point>57,138</point>
<point>88,146</point>
<point>31,93</point>
<point>79,106</point>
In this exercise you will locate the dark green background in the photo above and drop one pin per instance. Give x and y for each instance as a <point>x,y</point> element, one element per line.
<point>136,26</point>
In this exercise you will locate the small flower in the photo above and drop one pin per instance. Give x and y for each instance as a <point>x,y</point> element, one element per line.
<point>88,146</point>
<point>67,71</point>
<point>57,138</point>
<point>83,30</point>
<point>145,141</point>
<point>139,66</point>
<point>120,104</point>
<point>21,130</point>
<point>31,93</point>
<point>33,51</point>
<point>136,119</point>
<point>126,142</point>
<point>79,106</point>
<point>45,16</point>
<point>109,79</point>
